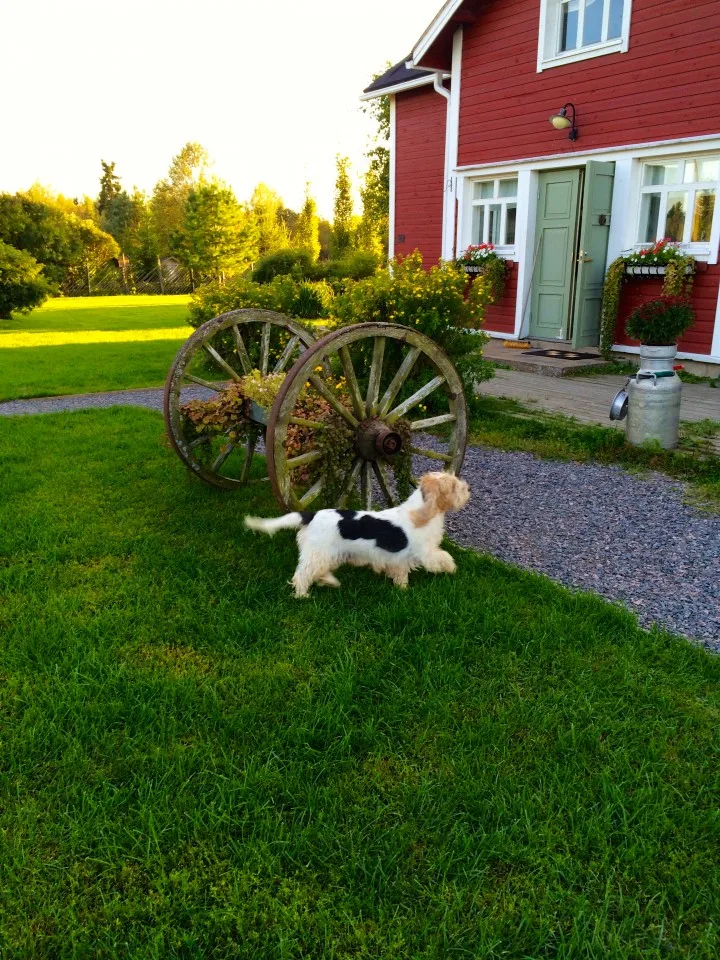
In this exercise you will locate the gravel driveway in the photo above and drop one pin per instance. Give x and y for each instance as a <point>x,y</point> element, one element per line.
<point>629,538</point>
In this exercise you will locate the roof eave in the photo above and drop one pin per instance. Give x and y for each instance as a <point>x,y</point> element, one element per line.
<point>401,87</point>
<point>442,19</point>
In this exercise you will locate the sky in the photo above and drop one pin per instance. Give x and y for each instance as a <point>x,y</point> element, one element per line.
<point>269,89</point>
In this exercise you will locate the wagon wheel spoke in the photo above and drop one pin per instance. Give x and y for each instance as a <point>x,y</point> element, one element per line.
<point>328,395</point>
<point>250,445</point>
<point>366,485</point>
<point>351,378</point>
<point>265,349</point>
<point>223,364</point>
<point>433,421</point>
<point>241,349</point>
<point>375,376</point>
<point>310,424</point>
<point>218,387</point>
<point>225,453</point>
<point>286,354</point>
<point>313,493</point>
<point>398,380</point>
<point>412,401</point>
<point>350,482</point>
<point>304,459</point>
<point>431,454</point>
<point>199,442</point>
<point>384,484</point>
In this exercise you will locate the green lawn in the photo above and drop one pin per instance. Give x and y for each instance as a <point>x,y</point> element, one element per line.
<point>81,345</point>
<point>195,765</point>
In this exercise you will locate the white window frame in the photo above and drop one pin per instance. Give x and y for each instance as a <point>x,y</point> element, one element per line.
<point>549,54</point>
<point>506,250</point>
<point>700,250</point>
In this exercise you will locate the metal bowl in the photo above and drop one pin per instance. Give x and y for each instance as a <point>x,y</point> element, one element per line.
<point>619,406</point>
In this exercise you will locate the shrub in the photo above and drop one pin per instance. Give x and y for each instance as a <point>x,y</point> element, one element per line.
<point>308,301</point>
<point>283,263</point>
<point>356,266</point>
<point>660,322</point>
<point>22,285</point>
<point>212,299</point>
<point>432,302</point>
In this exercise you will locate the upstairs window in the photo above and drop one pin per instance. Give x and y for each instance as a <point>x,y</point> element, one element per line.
<point>678,201</point>
<point>573,30</point>
<point>494,212</point>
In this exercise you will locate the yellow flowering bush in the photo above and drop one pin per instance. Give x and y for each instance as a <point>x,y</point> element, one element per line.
<point>436,302</point>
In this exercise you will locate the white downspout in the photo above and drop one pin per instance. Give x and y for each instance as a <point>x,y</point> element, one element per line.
<point>393,163</point>
<point>447,179</point>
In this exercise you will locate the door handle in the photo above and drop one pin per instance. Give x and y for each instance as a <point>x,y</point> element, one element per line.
<point>584,258</point>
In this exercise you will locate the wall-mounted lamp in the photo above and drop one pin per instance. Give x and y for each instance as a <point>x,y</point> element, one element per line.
<point>561,121</point>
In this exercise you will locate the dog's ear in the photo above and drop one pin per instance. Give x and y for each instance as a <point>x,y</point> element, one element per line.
<point>438,496</point>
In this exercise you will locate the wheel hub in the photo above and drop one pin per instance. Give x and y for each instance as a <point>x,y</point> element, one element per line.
<point>375,439</point>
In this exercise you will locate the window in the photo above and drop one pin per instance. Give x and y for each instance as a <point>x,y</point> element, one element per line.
<point>573,30</point>
<point>494,212</point>
<point>677,200</point>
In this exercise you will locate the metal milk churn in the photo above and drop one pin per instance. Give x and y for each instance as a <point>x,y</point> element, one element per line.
<point>654,395</point>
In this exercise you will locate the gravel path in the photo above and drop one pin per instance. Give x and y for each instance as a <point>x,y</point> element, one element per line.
<point>152,399</point>
<point>628,538</point>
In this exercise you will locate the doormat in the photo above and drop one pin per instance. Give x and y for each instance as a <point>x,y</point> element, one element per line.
<point>563,355</point>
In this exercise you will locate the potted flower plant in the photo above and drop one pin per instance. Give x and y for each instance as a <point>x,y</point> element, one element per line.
<point>481,258</point>
<point>658,325</point>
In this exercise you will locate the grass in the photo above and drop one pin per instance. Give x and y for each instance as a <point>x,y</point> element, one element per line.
<point>627,369</point>
<point>510,425</point>
<point>83,345</point>
<point>195,765</point>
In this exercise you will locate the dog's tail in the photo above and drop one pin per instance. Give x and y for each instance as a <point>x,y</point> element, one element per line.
<point>291,521</point>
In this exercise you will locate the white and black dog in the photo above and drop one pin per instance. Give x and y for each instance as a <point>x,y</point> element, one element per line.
<point>393,541</point>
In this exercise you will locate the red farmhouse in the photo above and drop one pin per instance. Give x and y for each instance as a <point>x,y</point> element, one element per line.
<point>475,158</point>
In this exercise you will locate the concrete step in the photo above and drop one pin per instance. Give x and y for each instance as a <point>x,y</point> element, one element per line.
<point>518,359</point>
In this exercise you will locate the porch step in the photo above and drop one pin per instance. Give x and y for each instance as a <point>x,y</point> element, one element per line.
<point>545,366</point>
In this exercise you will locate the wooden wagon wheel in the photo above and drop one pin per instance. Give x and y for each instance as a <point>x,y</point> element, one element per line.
<point>228,346</point>
<point>372,392</point>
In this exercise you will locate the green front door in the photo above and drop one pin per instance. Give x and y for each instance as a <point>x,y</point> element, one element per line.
<point>592,252</point>
<point>556,234</point>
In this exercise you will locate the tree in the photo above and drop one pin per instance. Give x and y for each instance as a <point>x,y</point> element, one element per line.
<point>325,235</point>
<point>306,235</point>
<point>22,285</point>
<point>373,234</point>
<point>267,206</point>
<point>343,219</point>
<point>187,171</point>
<point>62,242</point>
<point>218,236</point>
<point>83,208</point>
<point>109,186</point>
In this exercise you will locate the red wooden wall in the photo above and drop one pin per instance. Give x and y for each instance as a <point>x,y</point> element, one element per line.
<point>419,172</point>
<point>698,338</point>
<point>500,317</point>
<point>667,86</point>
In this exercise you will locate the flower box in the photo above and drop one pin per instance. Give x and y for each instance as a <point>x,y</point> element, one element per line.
<point>473,268</point>
<point>641,270</point>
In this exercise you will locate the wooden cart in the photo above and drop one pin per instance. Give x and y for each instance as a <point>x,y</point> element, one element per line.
<point>378,387</point>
